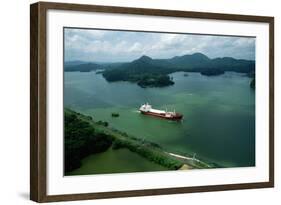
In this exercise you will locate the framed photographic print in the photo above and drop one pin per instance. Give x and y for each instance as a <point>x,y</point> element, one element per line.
<point>134,102</point>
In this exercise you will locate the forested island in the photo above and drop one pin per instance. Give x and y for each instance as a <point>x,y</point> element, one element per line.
<point>148,72</point>
<point>84,136</point>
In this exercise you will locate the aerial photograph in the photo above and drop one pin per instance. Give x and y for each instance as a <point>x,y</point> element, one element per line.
<point>148,101</point>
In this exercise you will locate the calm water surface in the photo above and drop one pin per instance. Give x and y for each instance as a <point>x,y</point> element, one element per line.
<point>219,113</point>
<point>116,161</point>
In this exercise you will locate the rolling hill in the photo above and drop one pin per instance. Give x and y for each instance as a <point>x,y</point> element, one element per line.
<point>148,72</point>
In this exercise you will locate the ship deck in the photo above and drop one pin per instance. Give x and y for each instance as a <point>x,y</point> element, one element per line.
<point>157,111</point>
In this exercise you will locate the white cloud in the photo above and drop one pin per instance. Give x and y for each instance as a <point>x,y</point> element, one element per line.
<point>136,47</point>
<point>103,45</point>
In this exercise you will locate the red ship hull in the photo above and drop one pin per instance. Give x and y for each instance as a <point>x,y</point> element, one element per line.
<point>175,117</point>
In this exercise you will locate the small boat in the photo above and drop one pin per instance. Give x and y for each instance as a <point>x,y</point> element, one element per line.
<point>147,109</point>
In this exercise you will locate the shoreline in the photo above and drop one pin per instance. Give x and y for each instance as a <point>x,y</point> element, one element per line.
<point>189,158</point>
<point>149,150</point>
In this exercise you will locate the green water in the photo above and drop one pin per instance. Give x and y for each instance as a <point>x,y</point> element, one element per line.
<point>219,113</point>
<point>115,161</point>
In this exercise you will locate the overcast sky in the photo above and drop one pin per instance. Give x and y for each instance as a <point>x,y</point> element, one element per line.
<point>116,46</point>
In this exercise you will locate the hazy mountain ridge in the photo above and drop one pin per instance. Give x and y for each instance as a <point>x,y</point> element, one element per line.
<point>148,72</point>
<point>190,62</point>
<point>82,67</point>
<point>74,62</point>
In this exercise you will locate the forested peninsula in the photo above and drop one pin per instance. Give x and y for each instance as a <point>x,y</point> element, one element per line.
<point>84,136</point>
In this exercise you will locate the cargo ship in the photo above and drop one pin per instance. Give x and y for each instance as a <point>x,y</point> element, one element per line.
<point>147,109</point>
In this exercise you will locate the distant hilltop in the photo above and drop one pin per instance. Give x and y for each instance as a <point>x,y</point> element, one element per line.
<point>149,72</point>
<point>197,61</point>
